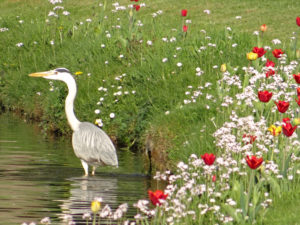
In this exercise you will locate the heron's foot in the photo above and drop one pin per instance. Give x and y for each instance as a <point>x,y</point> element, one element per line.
<point>93,171</point>
<point>85,167</point>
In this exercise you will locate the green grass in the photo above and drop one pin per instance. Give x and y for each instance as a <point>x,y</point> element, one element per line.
<point>284,210</point>
<point>153,87</point>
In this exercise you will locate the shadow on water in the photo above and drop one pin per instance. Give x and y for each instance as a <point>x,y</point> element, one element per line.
<point>43,178</point>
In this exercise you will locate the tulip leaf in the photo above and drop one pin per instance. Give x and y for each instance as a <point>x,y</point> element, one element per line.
<point>123,41</point>
<point>286,165</point>
<point>236,191</point>
<point>256,196</point>
<point>243,200</point>
<point>232,212</point>
<point>275,187</point>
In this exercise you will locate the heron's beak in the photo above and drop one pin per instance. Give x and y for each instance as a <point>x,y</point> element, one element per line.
<point>41,74</point>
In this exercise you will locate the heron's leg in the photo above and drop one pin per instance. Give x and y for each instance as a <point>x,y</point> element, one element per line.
<point>85,167</point>
<point>94,169</point>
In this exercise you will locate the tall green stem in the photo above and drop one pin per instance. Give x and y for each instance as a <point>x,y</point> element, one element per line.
<point>250,186</point>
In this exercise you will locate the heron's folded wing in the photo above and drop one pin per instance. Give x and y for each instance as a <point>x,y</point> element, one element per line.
<point>93,145</point>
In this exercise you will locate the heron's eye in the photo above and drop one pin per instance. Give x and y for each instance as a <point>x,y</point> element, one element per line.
<point>56,73</point>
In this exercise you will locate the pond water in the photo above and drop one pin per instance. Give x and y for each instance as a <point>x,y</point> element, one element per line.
<point>41,177</point>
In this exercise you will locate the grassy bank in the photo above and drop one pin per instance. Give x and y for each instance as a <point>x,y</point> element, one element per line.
<point>159,72</point>
<point>124,57</point>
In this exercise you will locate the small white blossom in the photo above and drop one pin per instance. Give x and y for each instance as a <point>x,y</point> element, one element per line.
<point>53,2</point>
<point>46,220</point>
<point>20,44</point>
<point>51,13</point>
<point>256,33</point>
<point>276,41</point>
<point>3,29</point>
<point>207,11</point>
<point>66,13</point>
<point>149,42</point>
<point>99,122</point>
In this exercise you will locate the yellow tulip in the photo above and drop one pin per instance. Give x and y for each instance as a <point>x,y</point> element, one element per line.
<point>223,68</point>
<point>252,56</point>
<point>275,131</point>
<point>297,121</point>
<point>95,206</point>
<point>78,73</point>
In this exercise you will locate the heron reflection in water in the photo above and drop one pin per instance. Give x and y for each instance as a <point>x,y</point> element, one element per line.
<point>91,144</point>
<point>84,190</point>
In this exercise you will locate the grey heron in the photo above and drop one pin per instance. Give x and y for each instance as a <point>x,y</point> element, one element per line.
<point>90,143</point>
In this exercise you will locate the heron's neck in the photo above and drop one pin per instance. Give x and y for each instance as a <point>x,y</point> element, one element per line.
<point>69,104</point>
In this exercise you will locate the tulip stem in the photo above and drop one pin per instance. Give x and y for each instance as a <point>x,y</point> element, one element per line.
<point>295,47</point>
<point>250,186</point>
<point>94,219</point>
<point>283,163</point>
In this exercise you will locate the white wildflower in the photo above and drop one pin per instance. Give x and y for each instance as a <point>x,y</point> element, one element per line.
<point>149,42</point>
<point>207,11</point>
<point>20,44</point>
<point>66,13</point>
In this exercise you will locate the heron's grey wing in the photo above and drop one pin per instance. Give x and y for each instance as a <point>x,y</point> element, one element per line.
<point>93,145</point>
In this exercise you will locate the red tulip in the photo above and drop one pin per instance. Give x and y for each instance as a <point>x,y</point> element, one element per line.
<point>282,106</point>
<point>298,21</point>
<point>254,162</point>
<point>185,28</point>
<point>297,78</point>
<point>134,0</point>
<point>251,137</point>
<point>270,72</point>
<point>288,129</point>
<point>264,96</point>
<point>277,53</point>
<point>270,63</point>
<point>298,100</point>
<point>214,178</point>
<point>137,7</point>
<point>208,158</point>
<point>263,28</point>
<point>259,51</point>
<point>184,12</point>
<point>156,196</point>
<point>298,91</point>
<point>286,120</point>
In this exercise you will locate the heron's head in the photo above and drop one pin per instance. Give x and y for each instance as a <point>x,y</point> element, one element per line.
<point>56,74</point>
